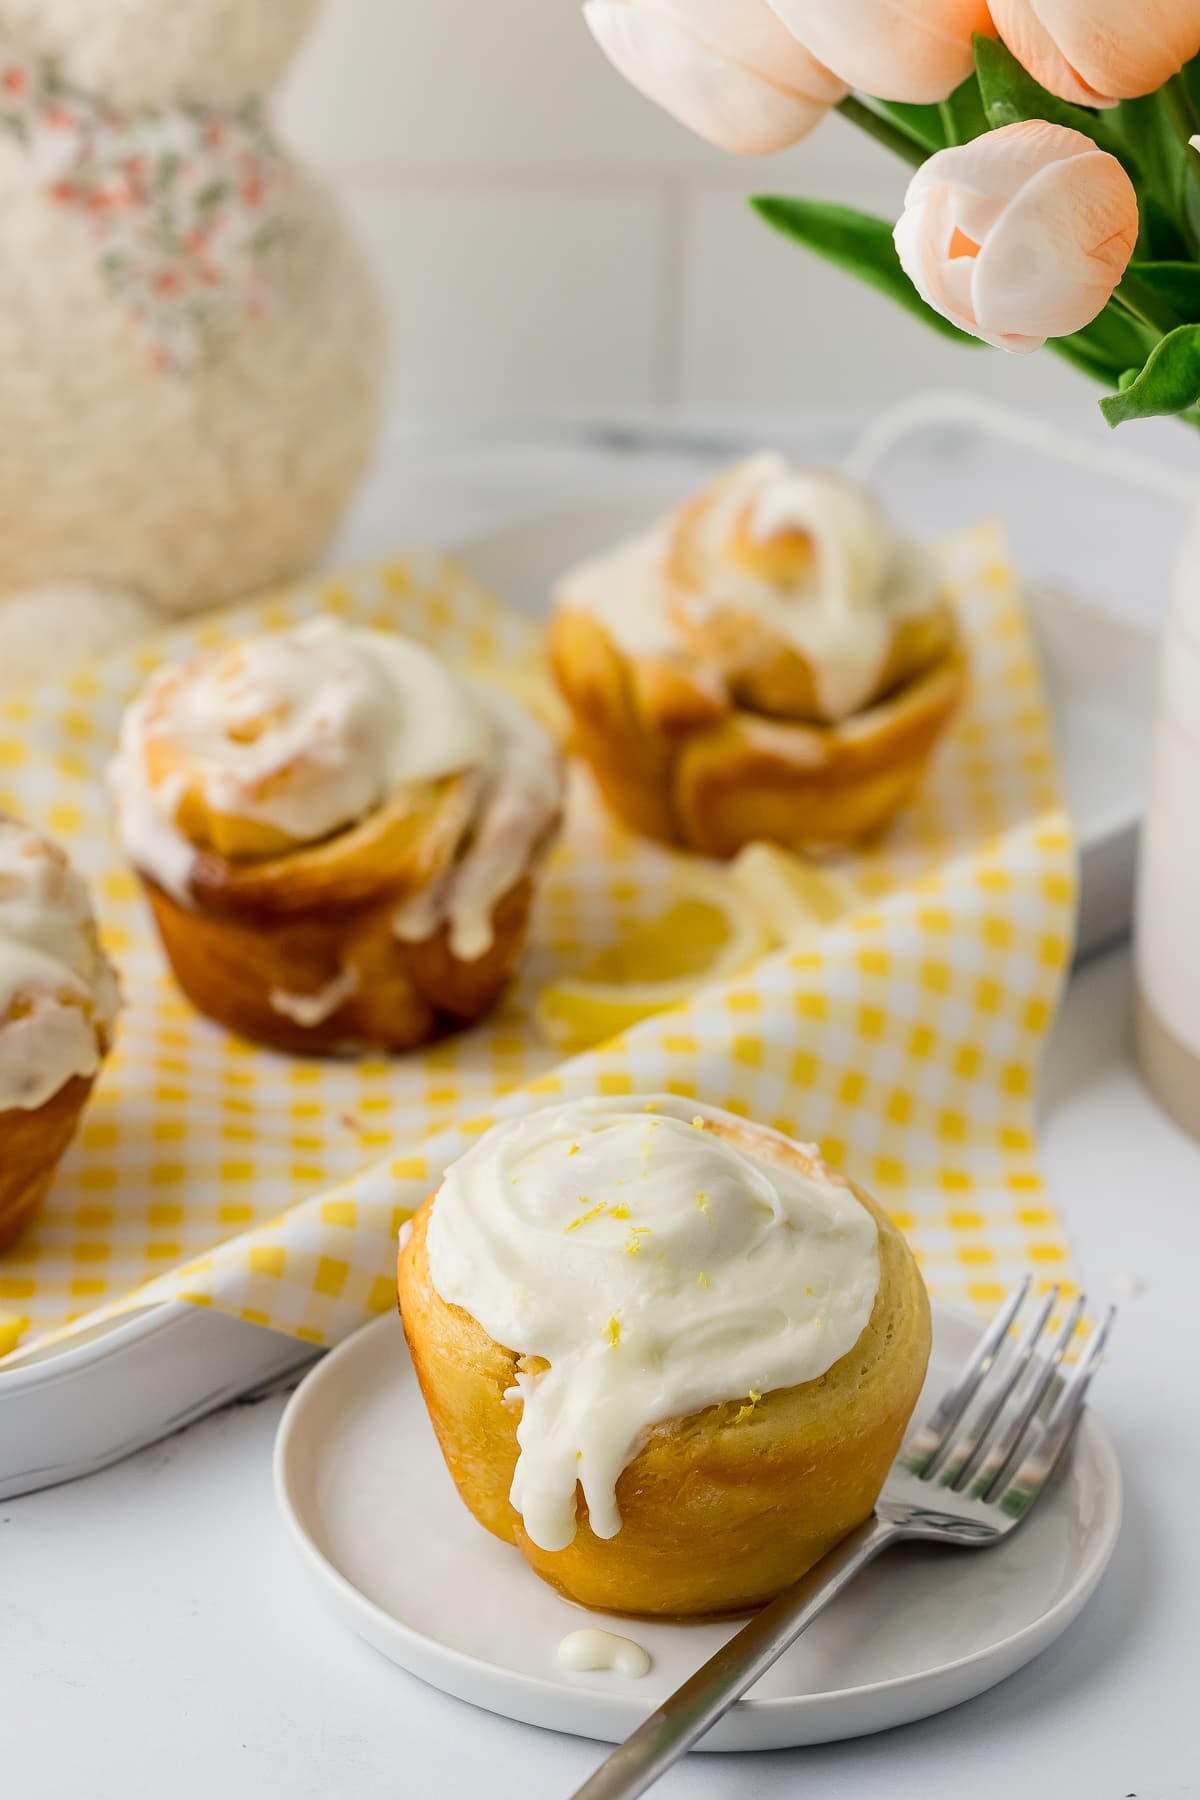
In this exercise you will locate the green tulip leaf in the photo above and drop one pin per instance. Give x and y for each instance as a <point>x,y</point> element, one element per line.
<point>856,242</point>
<point>1115,341</point>
<point>966,109</point>
<point>1010,95</point>
<point>925,123</point>
<point>1177,283</point>
<point>1160,238</point>
<point>1169,383</point>
<point>1191,79</point>
<point>956,121</point>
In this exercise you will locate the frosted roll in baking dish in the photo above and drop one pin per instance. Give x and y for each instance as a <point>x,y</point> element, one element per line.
<point>58,1006</point>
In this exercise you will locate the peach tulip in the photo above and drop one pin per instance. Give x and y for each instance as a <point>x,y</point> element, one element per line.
<point>727,69</point>
<point>1096,52</point>
<point>916,50</point>
<point>1021,235</point>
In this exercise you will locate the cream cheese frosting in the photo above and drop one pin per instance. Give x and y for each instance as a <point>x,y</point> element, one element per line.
<point>308,730</point>
<point>58,993</point>
<point>592,1649</point>
<point>841,608</point>
<point>625,589</point>
<point>655,1268</point>
<point>521,792</point>
<point>864,577</point>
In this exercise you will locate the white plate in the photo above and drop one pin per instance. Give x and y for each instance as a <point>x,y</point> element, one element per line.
<point>363,1489</point>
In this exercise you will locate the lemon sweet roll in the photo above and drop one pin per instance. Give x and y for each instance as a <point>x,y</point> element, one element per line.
<point>668,1354</point>
<point>58,1006</point>
<point>772,660</point>
<point>338,834</point>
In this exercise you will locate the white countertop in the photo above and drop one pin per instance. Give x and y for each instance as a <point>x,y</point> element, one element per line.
<point>157,1634</point>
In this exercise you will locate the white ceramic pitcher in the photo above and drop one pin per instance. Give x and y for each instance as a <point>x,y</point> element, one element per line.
<point>1167,927</point>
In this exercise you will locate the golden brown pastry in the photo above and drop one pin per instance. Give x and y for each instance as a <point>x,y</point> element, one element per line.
<point>667,1354</point>
<point>58,1005</point>
<point>338,835</point>
<point>773,660</point>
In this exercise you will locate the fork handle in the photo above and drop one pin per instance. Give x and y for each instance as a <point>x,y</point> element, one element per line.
<point>707,1696</point>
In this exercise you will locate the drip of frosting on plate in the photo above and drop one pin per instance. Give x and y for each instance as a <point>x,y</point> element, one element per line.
<point>58,993</point>
<point>592,1649</point>
<point>308,730</point>
<point>656,1268</point>
<point>837,599</point>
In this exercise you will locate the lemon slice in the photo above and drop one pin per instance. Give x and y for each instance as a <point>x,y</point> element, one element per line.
<point>794,898</point>
<point>709,934</point>
<point>13,1327</point>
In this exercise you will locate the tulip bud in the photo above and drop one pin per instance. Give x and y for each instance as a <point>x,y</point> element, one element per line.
<point>1096,52</point>
<point>1021,235</point>
<point>892,48</point>
<point>727,69</point>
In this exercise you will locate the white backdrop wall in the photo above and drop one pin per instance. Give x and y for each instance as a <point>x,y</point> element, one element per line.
<point>547,240</point>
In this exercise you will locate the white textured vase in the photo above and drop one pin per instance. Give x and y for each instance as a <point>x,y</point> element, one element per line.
<point>130,489</point>
<point>1167,931</point>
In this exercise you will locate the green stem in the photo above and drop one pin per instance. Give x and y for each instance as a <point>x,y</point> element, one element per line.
<point>1181,110</point>
<point>884,131</point>
<point>949,122</point>
<point>1146,307</point>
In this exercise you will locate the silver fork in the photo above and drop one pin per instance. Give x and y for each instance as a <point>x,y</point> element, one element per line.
<point>966,1476</point>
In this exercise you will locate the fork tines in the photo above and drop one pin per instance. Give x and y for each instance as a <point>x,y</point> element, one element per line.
<point>1003,1424</point>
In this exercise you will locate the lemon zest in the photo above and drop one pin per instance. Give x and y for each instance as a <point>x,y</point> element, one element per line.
<point>744,1412</point>
<point>584,1218</point>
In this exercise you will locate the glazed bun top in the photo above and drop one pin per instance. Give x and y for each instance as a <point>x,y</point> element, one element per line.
<point>299,733</point>
<point>58,993</point>
<point>782,590</point>
<point>652,1258</point>
<point>810,563</point>
<point>283,741</point>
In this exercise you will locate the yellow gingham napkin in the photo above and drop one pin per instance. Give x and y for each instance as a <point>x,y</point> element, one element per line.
<point>906,1044</point>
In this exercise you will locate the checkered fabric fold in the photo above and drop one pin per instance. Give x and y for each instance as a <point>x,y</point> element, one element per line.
<point>906,1042</point>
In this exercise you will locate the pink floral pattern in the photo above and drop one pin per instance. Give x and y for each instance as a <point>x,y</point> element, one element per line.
<point>180,204</point>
